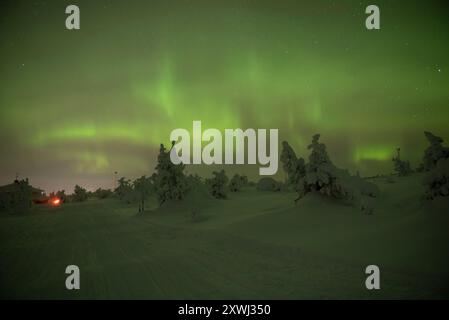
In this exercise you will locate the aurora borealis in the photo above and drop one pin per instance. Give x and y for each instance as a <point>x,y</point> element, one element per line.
<point>77,105</point>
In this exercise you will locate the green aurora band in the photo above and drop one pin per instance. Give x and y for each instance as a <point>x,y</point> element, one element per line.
<point>75,106</point>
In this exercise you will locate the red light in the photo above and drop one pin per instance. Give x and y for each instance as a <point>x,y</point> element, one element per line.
<point>56,202</point>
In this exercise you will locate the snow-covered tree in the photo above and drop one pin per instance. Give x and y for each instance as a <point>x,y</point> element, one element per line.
<point>79,194</point>
<point>437,180</point>
<point>18,198</point>
<point>124,189</point>
<point>61,195</point>
<point>103,193</point>
<point>434,152</point>
<point>401,167</point>
<point>292,165</point>
<point>217,184</point>
<point>324,177</point>
<point>142,188</point>
<point>169,180</point>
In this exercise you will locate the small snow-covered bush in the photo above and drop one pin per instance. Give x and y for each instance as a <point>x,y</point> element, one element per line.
<point>237,182</point>
<point>268,184</point>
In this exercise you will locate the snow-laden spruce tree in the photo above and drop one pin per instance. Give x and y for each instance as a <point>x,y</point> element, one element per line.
<point>322,176</point>
<point>437,180</point>
<point>124,189</point>
<point>169,180</point>
<point>19,197</point>
<point>142,187</point>
<point>434,152</point>
<point>292,165</point>
<point>79,194</point>
<point>401,167</point>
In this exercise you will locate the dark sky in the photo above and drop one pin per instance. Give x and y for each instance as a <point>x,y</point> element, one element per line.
<point>75,106</point>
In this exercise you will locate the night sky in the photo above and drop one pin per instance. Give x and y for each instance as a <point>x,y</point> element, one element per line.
<point>75,106</point>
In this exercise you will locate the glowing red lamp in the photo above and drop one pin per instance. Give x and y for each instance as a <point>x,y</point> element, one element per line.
<point>55,201</point>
